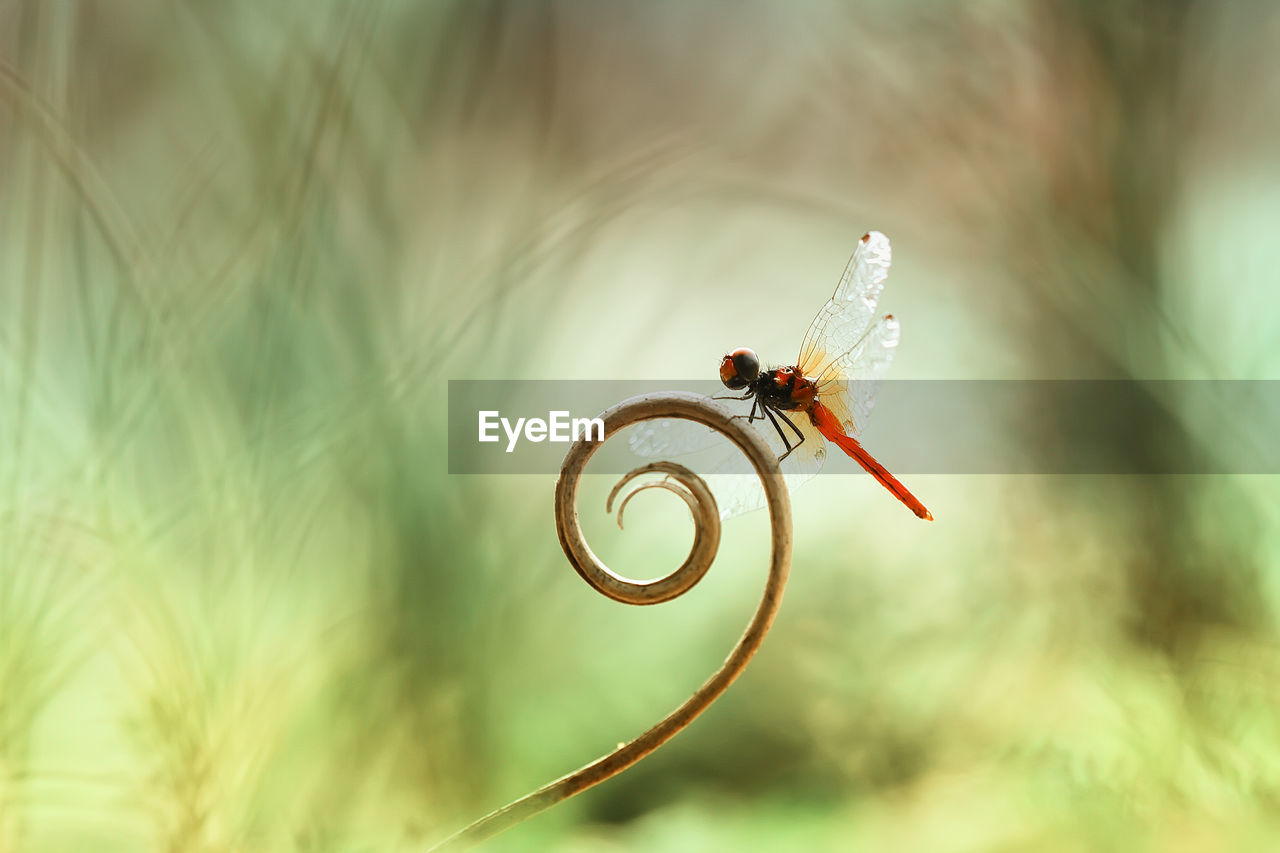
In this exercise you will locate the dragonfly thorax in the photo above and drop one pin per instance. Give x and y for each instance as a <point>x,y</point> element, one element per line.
<point>784,388</point>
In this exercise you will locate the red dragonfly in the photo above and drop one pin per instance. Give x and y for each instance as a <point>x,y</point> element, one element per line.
<point>825,396</point>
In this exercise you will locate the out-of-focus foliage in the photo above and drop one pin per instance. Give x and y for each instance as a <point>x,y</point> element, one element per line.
<point>243,247</point>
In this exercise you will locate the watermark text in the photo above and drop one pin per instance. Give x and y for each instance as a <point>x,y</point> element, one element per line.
<point>558,427</point>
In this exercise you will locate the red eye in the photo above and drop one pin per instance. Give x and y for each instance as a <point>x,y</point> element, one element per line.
<point>739,368</point>
<point>729,373</point>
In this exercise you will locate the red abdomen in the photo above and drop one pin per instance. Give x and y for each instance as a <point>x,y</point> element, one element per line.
<point>833,432</point>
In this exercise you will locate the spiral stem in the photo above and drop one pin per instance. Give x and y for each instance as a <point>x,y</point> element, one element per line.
<point>694,491</point>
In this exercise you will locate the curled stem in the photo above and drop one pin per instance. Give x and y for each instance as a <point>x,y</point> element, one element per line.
<point>694,491</point>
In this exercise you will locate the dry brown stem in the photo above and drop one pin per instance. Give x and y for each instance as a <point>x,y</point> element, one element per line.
<point>693,490</point>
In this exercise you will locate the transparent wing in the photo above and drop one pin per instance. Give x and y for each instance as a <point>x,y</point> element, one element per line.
<point>848,384</point>
<point>671,437</point>
<point>737,493</point>
<point>722,465</point>
<point>848,350</point>
<point>848,314</point>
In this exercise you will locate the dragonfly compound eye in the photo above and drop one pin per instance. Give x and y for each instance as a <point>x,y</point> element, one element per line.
<point>739,368</point>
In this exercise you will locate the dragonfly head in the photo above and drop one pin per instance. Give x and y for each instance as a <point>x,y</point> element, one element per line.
<point>739,368</point>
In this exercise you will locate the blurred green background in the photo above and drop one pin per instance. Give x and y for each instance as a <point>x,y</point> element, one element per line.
<point>243,247</point>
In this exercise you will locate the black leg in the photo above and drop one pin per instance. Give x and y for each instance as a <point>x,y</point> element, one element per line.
<point>786,420</point>
<point>751,417</point>
<point>782,435</point>
<point>746,396</point>
<point>773,418</point>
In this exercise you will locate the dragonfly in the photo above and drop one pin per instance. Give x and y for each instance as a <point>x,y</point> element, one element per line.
<point>824,397</point>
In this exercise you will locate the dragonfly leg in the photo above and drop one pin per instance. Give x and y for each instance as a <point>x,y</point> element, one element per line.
<point>751,417</point>
<point>746,396</point>
<point>786,420</point>
<point>773,418</point>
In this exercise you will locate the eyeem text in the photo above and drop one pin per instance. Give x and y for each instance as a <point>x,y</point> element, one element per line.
<point>557,427</point>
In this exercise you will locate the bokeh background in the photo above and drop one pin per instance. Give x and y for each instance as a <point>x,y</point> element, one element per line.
<point>243,247</point>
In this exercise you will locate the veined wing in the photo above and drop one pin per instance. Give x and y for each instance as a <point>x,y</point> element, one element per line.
<point>728,473</point>
<point>848,313</point>
<point>671,437</point>
<point>848,349</point>
<point>737,493</point>
<point>847,386</point>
